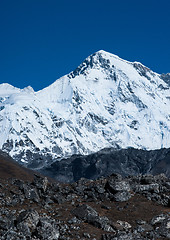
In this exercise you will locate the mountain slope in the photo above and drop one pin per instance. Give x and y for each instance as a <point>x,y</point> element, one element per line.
<point>105,102</point>
<point>11,169</point>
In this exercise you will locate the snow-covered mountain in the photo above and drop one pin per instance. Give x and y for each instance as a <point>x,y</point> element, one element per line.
<point>105,102</point>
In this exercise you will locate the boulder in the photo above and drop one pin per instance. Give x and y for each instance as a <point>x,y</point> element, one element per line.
<point>117,186</point>
<point>47,229</point>
<point>154,187</point>
<point>164,229</point>
<point>101,222</point>
<point>27,222</point>
<point>88,214</point>
<point>122,196</point>
<point>84,212</point>
<point>41,183</point>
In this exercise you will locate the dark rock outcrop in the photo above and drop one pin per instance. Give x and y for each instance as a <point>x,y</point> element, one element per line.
<point>107,161</point>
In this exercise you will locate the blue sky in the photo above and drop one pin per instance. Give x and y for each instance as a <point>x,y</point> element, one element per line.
<point>42,40</point>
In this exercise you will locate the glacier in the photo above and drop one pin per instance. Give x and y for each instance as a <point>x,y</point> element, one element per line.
<point>105,102</point>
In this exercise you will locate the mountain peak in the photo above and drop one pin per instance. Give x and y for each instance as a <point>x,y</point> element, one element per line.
<point>6,89</point>
<point>100,59</point>
<point>109,55</point>
<point>102,52</point>
<point>6,86</point>
<point>105,61</point>
<point>28,89</point>
<point>105,102</point>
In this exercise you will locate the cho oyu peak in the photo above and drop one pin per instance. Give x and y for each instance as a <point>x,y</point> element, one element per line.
<point>104,102</point>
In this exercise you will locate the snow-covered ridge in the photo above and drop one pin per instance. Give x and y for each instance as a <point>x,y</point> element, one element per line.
<point>105,102</point>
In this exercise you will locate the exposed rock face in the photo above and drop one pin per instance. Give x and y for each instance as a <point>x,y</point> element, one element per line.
<point>87,209</point>
<point>107,161</point>
<point>166,78</point>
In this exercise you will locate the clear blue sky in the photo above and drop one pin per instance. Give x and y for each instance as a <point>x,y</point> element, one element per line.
<point>42,40</point>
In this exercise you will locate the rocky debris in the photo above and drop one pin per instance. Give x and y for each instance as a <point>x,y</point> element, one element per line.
<point>119,188</point>
<point>157,189</point>
<point>164,229</point>
<point>112,208</point>
<point>29,225</point>
<point>27,221</point>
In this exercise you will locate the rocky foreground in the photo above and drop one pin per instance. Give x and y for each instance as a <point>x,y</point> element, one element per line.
<point>112,208</point>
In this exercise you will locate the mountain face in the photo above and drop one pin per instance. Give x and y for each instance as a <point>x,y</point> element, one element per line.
<point>105,102</point>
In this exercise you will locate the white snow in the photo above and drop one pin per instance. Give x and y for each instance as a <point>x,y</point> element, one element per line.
<point>108,103</point>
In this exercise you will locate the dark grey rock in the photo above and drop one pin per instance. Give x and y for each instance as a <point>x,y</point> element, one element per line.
<point>119,189</point>
<point>122,196</point>
<point>122,236</point>
<point>144,228</point>
<point>5,223</point>
<point>58,198</point>
<point>23,228</point>
<point>164,229</point>
<point>140,222</point>
<point>121,226</point>
<point>158,219</point>
<point>40,182</point>
<point>166,78</point>
<point>147,187</point>
<point>108,236</point>
<point>13,235</point>
<point>47,229</point>
<point>147,179</point>
<point>101,222</point>
<point>74,220</point>
<point>88,214</point>
<point>84,212</point>
<point>86,235</point>
<point>105,207</point>
<point>107,161</point>
<point>30,193</point>
<point>117,186</point>
<point>27,222</point>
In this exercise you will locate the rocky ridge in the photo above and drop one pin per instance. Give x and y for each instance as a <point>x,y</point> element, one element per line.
<point>107,161</point>
<point>112,208</point>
